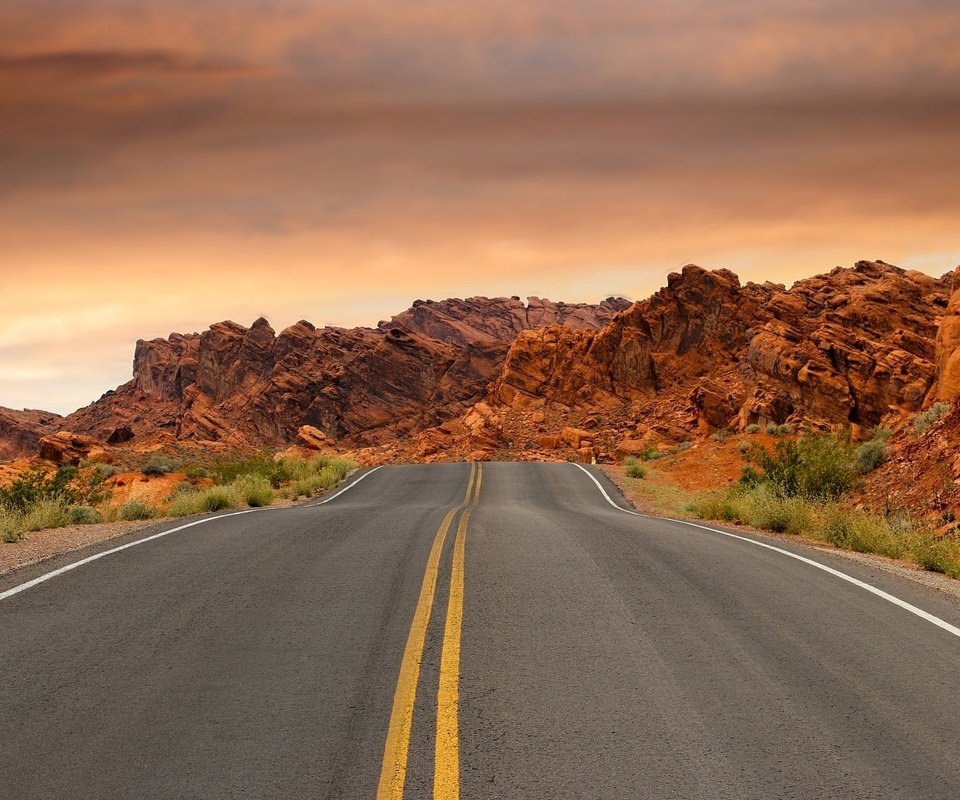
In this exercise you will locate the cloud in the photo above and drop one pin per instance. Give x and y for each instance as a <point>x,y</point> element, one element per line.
<point>98,63</point>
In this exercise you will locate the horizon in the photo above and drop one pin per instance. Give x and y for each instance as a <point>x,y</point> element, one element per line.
<point>171,164</point>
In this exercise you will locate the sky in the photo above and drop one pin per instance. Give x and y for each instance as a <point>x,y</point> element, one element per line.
<point>167,164</point>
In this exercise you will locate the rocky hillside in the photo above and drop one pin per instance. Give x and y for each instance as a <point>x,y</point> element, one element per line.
<point>848,347</point>
<point>251,386</point>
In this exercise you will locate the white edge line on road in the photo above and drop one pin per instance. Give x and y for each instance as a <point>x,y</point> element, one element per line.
<point>53,574</point>
<point>940,623</point>
<point>67,568</point>
<point>344,489</point>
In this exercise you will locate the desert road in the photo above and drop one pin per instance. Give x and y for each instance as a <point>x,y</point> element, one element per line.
<point>476,631</point>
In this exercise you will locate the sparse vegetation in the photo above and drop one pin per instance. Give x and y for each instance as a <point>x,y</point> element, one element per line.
<point>134,510</point>
<point>797,487</point>
<point>813,467</point>
<point>752,428</point>
<point>872,453</point>
<point>635,468</point>
<point>41,499</point>
<point>158,465</point>
<point>923,421</point>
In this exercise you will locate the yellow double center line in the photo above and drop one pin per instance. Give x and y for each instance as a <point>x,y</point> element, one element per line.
<point>393,771</point>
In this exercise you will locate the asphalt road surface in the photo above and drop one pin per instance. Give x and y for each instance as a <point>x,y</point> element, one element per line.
<point>494,631</point>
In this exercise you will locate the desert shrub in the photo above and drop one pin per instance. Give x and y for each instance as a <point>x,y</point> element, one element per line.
<point>136,509</point>
<point>216,498</point>
<point>752,428</point>
<point>182,488</point>
<point>763,508</point>
<point>100,472</point>
<point>84,515</point>
<point>720,435</point>
<point>253,490</point>
<point>158,466</point>
<point>683,446</point>
<point>36,485</point>
<point>925,419</point>
<point>11,526</point>
<point>862,532</point>
<point>262,464</point>
<point>779,430</point>
<point>937,555</point>
<point>814,467</point>
<point>50,512</point>
<point>195,472</point>
<point>871,454</point>
<point>743,445</point>
<point>635,468</point>
<point>716,505</point>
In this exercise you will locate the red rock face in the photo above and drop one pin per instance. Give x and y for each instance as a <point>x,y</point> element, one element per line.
<point>249,386</point>
<point>21,431</point>
<point>947,386</point>
<point>847,347</point>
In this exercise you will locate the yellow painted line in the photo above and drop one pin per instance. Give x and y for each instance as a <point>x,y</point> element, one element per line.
<point>446,765</point>
<point>393,771</point>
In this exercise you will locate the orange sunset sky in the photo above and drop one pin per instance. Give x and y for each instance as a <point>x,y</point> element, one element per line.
<point>168,164</point>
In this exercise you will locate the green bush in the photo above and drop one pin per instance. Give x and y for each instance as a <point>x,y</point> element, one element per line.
<point>195,472</point>
<point>925,419</point>
<point>158,466</point>
<point>752,428</point>
<point>862,532</point>
<point>814,467</point>
<point>50,512</point>
<point>84,515</point>
<point>261,464</point>
<point>716,505</point>
<point>217,498</point>
<point>11,526</point>
<point>635,468</point>
<point>253,490</point>
<point>937,555</point>
<point>136,509</point>
<point>762,508</point>
<point>872,453</point>
<point>37,485</point>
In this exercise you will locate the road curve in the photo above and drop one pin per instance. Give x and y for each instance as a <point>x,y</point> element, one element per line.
<point>474,631</point>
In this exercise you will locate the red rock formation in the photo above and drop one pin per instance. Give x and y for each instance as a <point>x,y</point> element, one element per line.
<point>847,347</point>
<point>66,447</point>
<point>252,387</point>
<point>21,431</point>
<point>947,386</point>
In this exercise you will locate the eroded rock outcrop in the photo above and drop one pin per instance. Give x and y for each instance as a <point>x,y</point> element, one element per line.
<point>252,386</point>
<point>947,386</point>
<point>848,347</point>
<point>21,431</point>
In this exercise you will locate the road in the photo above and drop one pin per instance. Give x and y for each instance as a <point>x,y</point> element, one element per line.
<point>475,631</point>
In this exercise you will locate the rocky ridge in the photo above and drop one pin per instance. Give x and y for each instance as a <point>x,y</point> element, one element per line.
<point>252,387</point>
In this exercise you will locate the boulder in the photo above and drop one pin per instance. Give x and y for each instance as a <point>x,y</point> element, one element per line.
<point>66,447</point>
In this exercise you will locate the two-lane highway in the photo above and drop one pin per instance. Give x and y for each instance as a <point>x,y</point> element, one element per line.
<point>475,631</point>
